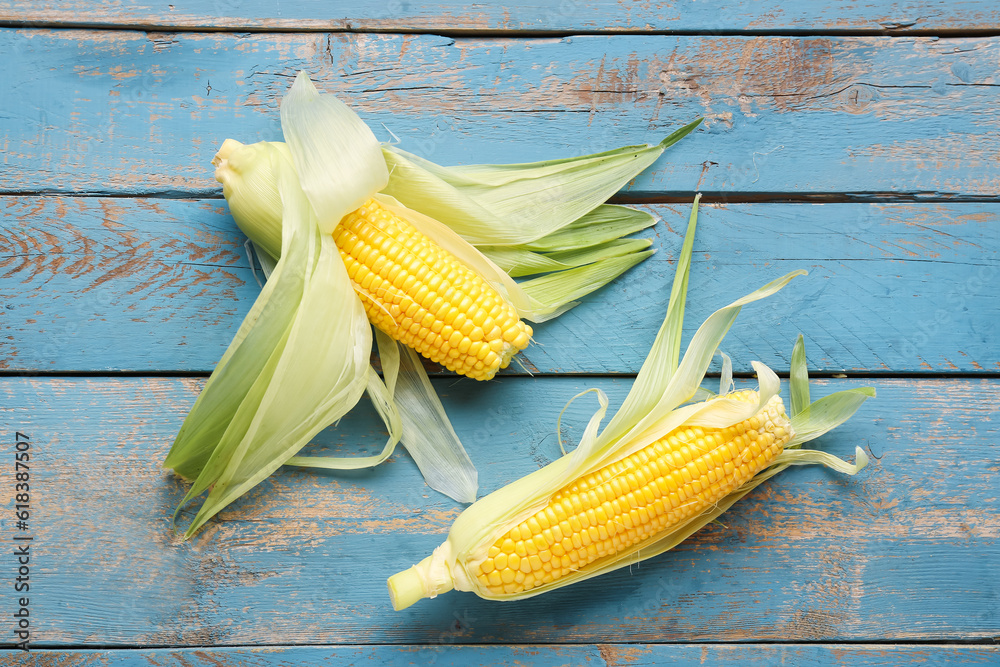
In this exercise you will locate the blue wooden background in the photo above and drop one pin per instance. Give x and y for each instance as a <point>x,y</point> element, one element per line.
<point>857,141</point>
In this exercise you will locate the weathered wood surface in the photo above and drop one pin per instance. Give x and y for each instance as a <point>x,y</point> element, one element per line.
<point>908,551</point>
<point>130,112</point>
<point>537,16</point>
<point>98,284</point>
<point>600,655</point>
<point>117,255</point>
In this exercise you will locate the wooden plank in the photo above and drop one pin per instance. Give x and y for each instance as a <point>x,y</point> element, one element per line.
<point>908,551</point>
<point>569,15</point>
<point>130,112</point>
<point>600,655</point>
<point>96,284</point>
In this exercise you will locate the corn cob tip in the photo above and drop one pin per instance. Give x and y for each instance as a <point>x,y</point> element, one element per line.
<point>405,588</point>
<point>427,579</point>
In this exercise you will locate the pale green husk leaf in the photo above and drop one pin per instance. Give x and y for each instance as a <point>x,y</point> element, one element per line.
<point>664,355</point>
<point>802,457</point>
<point>517,203</point>
<point>336,155</point>
<point>277,384</point>
<point>420,423</point>
<point>827,413</point>
<point>798,378</point>
<point>382,398</point>
<point>267,261</point>
<point>517,262</point>
<point>604,223</point>
<point>559,291</point>
<point>589,254</point>
<point>593,242</point>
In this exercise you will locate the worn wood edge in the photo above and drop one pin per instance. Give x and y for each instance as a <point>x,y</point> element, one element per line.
<point>538,655</point>
<point>128,112</point>
<point>111,285</point>
<point>521,17</point>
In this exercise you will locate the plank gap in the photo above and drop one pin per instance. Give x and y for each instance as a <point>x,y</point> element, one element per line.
<point>666,197</point>
<point>817,375</point>
<point>521,33</point>
<point>938,643</point>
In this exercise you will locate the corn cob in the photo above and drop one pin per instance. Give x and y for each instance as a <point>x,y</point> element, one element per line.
<point>635,499</point>
<point>660,470</point>
<point>412,289</point>
<point>422,296</point>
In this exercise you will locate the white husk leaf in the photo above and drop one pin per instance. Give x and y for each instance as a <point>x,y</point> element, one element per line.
<point>427,432</point>
<point>726,378</point>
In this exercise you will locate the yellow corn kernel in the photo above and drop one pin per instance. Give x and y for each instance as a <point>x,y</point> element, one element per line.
<point>647,493</point>
<point>422,296</point>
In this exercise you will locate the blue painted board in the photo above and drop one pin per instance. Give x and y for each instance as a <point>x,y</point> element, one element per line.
<point>601,655</point>
<point>99,284</point>
<point>130,112</point>
<point>908,551</point>
<point>522,16</point>
<point>895,566</point>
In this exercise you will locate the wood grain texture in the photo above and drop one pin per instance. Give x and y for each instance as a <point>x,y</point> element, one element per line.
<point>130,112</point>
<point>589,655</point>
<point>908,551</point>
<point>568,15</point>
<point>116,254</point>
<point>98,284</point>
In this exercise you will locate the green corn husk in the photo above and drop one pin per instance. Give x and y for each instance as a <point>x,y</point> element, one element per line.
<point>285,376</point>
<point>655,406</point>
<point>282,193</point>
<point>517,204</point>
<point>247,421</point>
